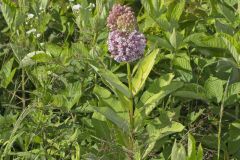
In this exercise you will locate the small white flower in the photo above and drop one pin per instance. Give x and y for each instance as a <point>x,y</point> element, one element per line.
<point>31,31</point>
<point>30,16</point>
<point>76,7</point>
<point>92,5</point>
<point>71,0</point>
<point>38,35</point>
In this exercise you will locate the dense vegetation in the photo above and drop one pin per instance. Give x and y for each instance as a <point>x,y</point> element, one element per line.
<point>62,96</point>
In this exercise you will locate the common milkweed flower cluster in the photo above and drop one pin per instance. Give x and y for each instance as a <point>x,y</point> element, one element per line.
<point>125,42</point>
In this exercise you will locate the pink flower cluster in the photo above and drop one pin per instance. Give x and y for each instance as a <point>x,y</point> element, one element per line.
<point>125,43</point>
<point>121,18</point>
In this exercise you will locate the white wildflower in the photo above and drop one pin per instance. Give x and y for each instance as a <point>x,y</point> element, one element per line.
<point>31,31</point>
<point>92,5</point>
<point>30,16</point>
<point>38,35</point>
<point>76,7</point>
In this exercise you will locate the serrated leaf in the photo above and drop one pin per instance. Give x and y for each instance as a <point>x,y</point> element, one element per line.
<point>202,40</point>
<point>232,49</point>
<point>214,88</point>
<point>8,12</point>
<point>7,73</point>
<point>177,11</point>
<point>226,12</point>
<point>233,89</point>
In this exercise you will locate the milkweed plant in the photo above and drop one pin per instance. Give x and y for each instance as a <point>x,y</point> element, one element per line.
<point>120,79</point>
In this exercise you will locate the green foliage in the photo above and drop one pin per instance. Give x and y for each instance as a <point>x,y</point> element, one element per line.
<point>63,97</point>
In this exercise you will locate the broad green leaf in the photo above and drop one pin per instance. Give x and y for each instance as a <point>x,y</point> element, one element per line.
<point>143,71</point>
<point>160,132</point>
<point>193,116</point>
<point>8,144</point>
<point>234,137</point>
<point>202,40</point>
<point>200,152</point>
<point>154,9</point>
<point>73,93</point>
<point>156,86</point>
<point>214,88</point>
<point>152,101</point>
<point>157,133</point>
<point>156,41</point>
<point>8,11</point>
<point>177,10</point>
<point>33,57</point>
<point>68,97</point>
<point>41,57</point>
<point>232,49</point>
<point>115,85</point>
<point>183,67</point>
<point>233,89</point>
<point>7,73</point>
<point>107,99</point>
<point>192,91</point>
<point>226,12</point>
<point>178,152</point>
<point>113,82</point>
<point>173,39</point>
<point>223,27</point>
<point>191,148</point>
<point>111,115</point>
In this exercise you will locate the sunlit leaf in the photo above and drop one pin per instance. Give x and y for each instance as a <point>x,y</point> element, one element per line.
<point>143,71</point>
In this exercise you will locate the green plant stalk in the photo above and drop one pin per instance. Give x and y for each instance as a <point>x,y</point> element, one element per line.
<point>23,89</point>
<point>237,111</point>
<point>131,108</point>
<point>220,120</point>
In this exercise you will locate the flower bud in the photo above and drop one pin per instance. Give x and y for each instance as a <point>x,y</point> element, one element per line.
<point>121,18</point>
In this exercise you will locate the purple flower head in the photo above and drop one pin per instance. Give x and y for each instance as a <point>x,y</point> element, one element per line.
<point>126,47</point>
<point>121,18</point>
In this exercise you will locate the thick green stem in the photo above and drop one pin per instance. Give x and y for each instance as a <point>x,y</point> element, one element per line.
<point>131,109</point>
